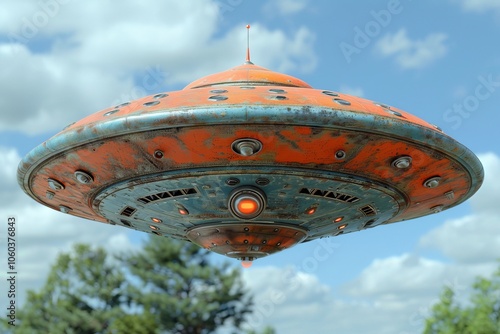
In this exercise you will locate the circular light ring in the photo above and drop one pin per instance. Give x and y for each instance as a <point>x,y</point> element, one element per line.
<point>246,146</point>
<point>432,182</point>
<point>246,202</point>
<point>402,162</point>
<point>83,177</point>
<point>55,185</point>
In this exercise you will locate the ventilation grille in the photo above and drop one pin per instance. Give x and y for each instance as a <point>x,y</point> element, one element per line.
<point>368,210</point>
<point>128,211</point>
<point>167,194</point>
<point>329,194</point>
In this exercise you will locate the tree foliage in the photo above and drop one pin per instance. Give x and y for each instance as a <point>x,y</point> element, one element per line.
<point>84,293</point>
<point>183,290</point>
<point>168,286</point>
<point>480,316</point>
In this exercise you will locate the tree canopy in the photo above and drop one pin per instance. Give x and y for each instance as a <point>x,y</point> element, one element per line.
<point>480,316</point>
<point>168,286</point>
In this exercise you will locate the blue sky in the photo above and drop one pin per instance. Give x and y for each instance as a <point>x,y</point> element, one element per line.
<point>63,59</point>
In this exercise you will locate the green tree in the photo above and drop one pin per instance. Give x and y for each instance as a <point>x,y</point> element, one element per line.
<point>185,293</point>
<point>480,316</point>
<point>84,293</point>
<point>168,287</point>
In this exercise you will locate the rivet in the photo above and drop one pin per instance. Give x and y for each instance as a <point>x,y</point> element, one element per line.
<point>111,112</point>
<point>245,241</point>
<point>55,185</point>
<point>217,98</point>
<point>432,182</point>
<point>218,91</point>
<point>262,181</point>
<point>329,93</point>
<point>158,154</point>
<point>449,194</point>
<point>340,154</point>
<point>342,102</point>
<point>395,113</point>
<point>50,194</point>
<point>277,91</point>
<point>278,244</point>
<point>246,229</point>
<point>232,181</point>
<point>83,177</point>
<point>124,104</point>
<point>65,209</point>
<point>151,103</point>
<point>437,208</point>
<point>402,162</point>
<point>279,97</point>
<point>160,96</point>
<point>385,106</point>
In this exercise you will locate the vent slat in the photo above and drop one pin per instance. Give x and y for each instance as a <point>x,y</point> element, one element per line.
<point>128,211</point>
<point>167,194</point>
<point>329,194</point>
<point>368,210</point>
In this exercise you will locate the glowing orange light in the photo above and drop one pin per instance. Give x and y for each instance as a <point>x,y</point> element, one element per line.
<point>183,211</point>
<point>153,227</point>
<point>341,227</point>
<point>247,206</point>
<point>246,264</point>
<point>338,219</point>
<point>156,220</point>
<point>310,211</point>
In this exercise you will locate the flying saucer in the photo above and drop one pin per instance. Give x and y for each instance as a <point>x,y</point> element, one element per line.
<point>249,162</point>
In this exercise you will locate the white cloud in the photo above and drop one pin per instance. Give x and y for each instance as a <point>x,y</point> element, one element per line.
<point>479,5</point>
<point>392,295</point>
<point>285,7</point>
<point>84,67</point>
<point>474,238</point>
<point>412,54</point>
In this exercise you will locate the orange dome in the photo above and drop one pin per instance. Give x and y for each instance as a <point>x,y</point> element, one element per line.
<point>248,74</point>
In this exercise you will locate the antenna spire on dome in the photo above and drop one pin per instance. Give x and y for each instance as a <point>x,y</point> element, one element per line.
<point>247,61</point>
